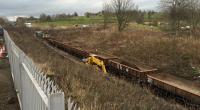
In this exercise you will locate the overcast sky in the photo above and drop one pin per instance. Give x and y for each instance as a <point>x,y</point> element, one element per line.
<point>11,8</point>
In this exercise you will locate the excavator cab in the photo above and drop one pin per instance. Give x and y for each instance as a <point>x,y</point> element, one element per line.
<point>93,60</point>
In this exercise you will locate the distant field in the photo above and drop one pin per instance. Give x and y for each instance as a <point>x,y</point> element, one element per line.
<point>72,21</point>
<point>81,20</point>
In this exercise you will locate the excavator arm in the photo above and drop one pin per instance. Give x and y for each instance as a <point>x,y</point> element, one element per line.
<point>98,62</point>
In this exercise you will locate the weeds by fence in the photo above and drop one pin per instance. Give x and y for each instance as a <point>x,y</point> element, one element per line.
<point>34,89</point>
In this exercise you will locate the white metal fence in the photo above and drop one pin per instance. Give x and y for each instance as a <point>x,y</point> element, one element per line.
<point>35,91</point>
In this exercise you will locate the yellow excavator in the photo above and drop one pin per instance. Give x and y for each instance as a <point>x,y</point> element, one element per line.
<point>95,61</point>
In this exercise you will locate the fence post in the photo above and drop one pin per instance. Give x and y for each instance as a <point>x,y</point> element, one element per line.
<point>57,101</point>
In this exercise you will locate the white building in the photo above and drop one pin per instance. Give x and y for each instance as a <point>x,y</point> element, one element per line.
<point>29,25</point>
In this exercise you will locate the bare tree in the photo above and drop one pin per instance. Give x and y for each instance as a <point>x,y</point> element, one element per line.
<point>75,14</point>
<point>121,9</point>
<point>176,11</point>
<point>43,17</point>
<point>107,13</point>
<point>182,12</point>
<point>150,14</point>
<point>20,21</point>
<point>2,21</point>
<point>194,13</point>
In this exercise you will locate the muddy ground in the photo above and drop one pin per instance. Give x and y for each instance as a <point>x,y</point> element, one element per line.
<point>8,98</point>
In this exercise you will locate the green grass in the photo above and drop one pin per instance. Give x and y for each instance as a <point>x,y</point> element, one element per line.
<point>155,16</point>
<point>81,20</point>
<point>143,27</point>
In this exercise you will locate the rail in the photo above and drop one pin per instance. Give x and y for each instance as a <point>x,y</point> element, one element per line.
<point>109,62</point>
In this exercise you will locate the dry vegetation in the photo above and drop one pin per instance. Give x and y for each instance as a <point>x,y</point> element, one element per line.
<point>174,55</point>
<point>85,84</point>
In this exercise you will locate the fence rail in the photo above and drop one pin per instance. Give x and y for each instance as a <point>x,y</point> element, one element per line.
<point>34,89</point>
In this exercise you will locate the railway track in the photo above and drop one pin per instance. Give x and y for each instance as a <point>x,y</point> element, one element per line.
<point>170,87</point>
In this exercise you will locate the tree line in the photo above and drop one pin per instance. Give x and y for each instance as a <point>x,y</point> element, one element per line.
<point>45,17</point>
<point>124,12</point>
<point>176,13</point>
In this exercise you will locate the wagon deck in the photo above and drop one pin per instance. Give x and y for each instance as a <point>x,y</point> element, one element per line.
<point>179,83</point>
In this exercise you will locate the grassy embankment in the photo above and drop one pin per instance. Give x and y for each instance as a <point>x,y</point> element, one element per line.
<point>174,55</point>
<point>171,55</point>
<point>85,84</point>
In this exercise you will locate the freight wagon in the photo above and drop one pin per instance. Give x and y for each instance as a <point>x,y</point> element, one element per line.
<point>181,88</point>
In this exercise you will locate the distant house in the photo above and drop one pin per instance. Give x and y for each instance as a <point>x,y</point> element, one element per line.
<point>29,25</point>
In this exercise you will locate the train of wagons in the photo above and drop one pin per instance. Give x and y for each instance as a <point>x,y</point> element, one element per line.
<point>180,88</point>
